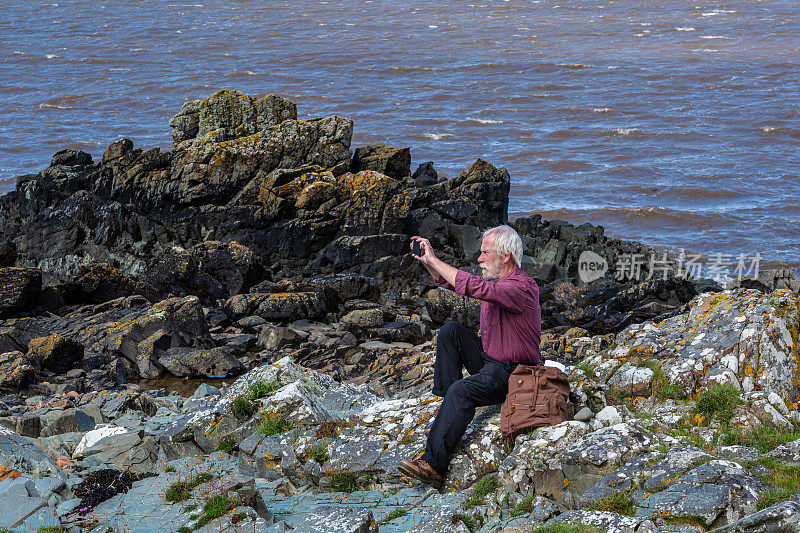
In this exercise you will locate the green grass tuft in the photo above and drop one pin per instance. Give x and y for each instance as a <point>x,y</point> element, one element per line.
<point>343,482</point>
<point>228,444</point>
<point>481,489</point>
<point>214,507</point>
<point>587,369</point>
<point>182,490</point>
<point>660,386</point>
<point>242,408</point>
<point>719,401</point>
<point>318,452</point>
<point>263,389</point>
<point>396,513</point>
<point>523,507</point>
<point>619,502</point>
<point>784,481</point>
<point>468,520</point>
<point>762,438</point>
<point>170,468</point>
<point>274,423</point>
<point>565,527</point>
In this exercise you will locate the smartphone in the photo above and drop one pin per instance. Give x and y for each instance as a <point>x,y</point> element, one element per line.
<point>415,248</point>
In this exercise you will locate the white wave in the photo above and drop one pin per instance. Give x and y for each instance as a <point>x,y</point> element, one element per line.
<point>432,26</point>
<point>135,49</point>
<point>436,136</point>
<point>486,121</point>
<point>52,106</point>
<point>769,129</point>
<point>613,67</point>
<point>601,110</point>
<point>687,28</point>
<point>52,56</point>
<point>120,69</point>
<point>714,37</point>
<point>624,131</point>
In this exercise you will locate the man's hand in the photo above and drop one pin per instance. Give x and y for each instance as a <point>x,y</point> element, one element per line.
<point>427,255</point>
<point>438,269</point>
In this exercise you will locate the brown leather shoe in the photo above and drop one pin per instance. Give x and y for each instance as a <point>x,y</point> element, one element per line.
<point>421,470</point>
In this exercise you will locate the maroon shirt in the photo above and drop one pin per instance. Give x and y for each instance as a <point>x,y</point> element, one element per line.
<point>511,319</point>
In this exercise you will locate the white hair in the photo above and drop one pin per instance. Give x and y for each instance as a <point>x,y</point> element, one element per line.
<point>506,241</point>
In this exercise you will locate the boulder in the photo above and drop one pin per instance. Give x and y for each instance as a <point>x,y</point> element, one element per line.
<point>199,362</point>
<point>394,162</point>
<point>21,454</point>
<point>16,371</point>
<point>19,289</point>
<point>210,270</point>
<point>55,353</point>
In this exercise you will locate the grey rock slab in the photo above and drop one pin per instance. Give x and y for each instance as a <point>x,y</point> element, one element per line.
<point>789,452</point>
<point>621,479</point>
<point>783,517</point>
<point>676,462</point>
<point>334,519</point>
<point>606,521</point>
<point>715,490</point>
<point>21,454</point>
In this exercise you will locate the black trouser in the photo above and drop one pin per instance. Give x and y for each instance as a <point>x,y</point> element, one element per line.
<point>457,347</point>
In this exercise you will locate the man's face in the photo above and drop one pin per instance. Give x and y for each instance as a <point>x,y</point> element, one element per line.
<point>491,263</point>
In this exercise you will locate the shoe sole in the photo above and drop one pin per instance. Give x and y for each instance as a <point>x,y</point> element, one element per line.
<point>403,469</point>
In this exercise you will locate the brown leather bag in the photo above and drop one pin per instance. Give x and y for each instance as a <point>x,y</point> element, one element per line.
<point>537,397</point>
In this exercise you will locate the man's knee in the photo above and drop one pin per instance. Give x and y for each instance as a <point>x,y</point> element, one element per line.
<point>448,332</point>
<point>458,392</point>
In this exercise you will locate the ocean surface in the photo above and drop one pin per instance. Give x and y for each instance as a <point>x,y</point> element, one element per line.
<point>675,123</point>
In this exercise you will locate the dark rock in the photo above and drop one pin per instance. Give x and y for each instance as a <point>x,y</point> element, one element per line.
<point>280,306</point>
<point>71,158</point>
<point>55,353</point>
<point>19,289</point>
<point>394,162</point>
<point>210,270</point>
<point>16,372</point>
<point>193,362</point>
<point>425,175</point>
<point>276,337</point>
<point>8,253</point>
<point>770,280</point>
<point>96,283</point>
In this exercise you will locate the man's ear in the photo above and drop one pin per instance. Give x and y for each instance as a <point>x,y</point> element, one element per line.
<point>506,258</point>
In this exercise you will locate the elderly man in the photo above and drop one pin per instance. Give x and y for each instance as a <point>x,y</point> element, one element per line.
<point>510,330</point>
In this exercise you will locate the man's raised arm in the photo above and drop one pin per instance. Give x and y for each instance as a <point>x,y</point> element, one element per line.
<point>440,270</point>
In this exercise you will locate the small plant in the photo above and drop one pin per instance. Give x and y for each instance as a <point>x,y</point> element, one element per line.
<point>189,508</point>
<point>170,468</point>
<point>784,480</point>
<point>619,502</point>
<point>565,527</point>
<point>182,490</point>
<point>51,529</point>
<point>481,489</point>
<point>318,452</point>
<point>228,445</point>
<point>762,438</point>
<point>179,491</point>
<point>523,507</point>
<point>274,423</point>
<point>660,386</point>
<point>587,369</point>
<point>242,408</point>
<point>467,519</point>
<point>396,513</point>
<point>263,389</point>
<point>238,517</point>
<point>184,529</point>
<point>343,482</point>
<point>719,401</point>
<point>214,507</point>
<point>408,439</point>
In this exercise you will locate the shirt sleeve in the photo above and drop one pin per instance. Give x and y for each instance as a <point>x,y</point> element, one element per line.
<point>440,281</point>
<point>512,295</point>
